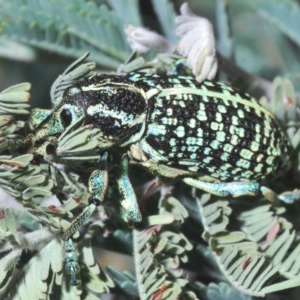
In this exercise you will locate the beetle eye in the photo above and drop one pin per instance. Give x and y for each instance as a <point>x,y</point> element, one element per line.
<point>66,117</point>
<point>50,149</point>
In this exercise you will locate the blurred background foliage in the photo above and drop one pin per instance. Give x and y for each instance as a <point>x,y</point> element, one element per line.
<point>264,41</point>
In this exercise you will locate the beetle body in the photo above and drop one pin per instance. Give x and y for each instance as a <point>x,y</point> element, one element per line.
<point>174,126</point>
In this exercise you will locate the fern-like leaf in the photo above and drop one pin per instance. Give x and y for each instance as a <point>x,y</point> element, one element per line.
<point>128,11</point>
<point>67,28</point>
<point>158,253</point>
<point>252,259</point>
<point>165,12</point>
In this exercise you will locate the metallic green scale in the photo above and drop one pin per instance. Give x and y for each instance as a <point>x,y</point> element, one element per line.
<point>211,130</point>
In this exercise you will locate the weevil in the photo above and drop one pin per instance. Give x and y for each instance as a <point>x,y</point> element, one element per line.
<point>212,136</point>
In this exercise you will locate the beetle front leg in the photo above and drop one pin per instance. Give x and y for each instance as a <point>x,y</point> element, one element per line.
<point>130,211</point>
<point>97,185</point>
<point>237,189</point>
<point>71,264</point>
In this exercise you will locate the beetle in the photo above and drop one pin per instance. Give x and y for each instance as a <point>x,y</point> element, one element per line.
<point>212,136</point>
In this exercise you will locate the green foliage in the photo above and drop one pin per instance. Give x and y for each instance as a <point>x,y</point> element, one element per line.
<point>44,271</point>
<point>284,15</point>
<point>158,253</point>
<point>67,28</point>
<point>189,246</point>
<point>128,11</point>
<point>71,28</point>
<point>166,16</point>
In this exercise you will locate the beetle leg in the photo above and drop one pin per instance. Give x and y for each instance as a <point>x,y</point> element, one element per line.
<point>223,189</point>
<point>97,185</point>
<point>71,264</point>
<point>237,189</point>
<point>98,181</point>
<point>130,211</point>
<point>289,197</point>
